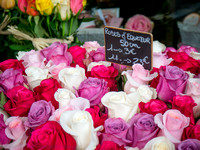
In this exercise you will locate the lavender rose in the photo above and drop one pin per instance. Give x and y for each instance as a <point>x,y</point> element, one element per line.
<point>93,89</point>
<point>98,55</point>
<point>11,78</point>
<point>115,130</point>
<point>189,144</point>
<point>39,113</point>
<point>142,129</point>
<point>172,82</point>
<point>4,139</point>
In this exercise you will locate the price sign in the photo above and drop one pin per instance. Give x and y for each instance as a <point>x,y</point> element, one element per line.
<point>128,47</point>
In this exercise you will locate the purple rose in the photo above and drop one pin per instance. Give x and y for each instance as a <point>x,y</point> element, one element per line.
<point>57,53</point>
<point>142,129</point>
<point>11,78</point>
<point>92,89</point>
<point>3,139</point>
<point>98,55</point>
<point>189,144</point>
<point>115,130</point>
<point>39,113</point>
<point>172,82</point>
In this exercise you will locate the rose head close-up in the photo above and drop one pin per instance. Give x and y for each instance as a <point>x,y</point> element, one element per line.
<point>4,139</point>
<point>11,78</point>
<point>50,136</point>
<point>139,22</point>
<point>93,89</point>
<point>57,53</point>
<point>98,55</point>
<point>91,45</point>
<point>109,145</point>
<point>142,129</point>
<point>192,144</point>
<point>172,124</point>
<point>154,106</point>
<point>39,113</point>
<point>46,90</point>
<point>172,82</point>
<point>107,73</point>
<point>19,102</point>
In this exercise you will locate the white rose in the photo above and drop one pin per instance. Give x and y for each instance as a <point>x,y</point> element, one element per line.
<point>71,77</point>
<point>119,104</point>
<point>195,55</point>
<point>159,143</point>
<point>158,47</point>
<point>35,75</point>
<point>79,124</point>
<point>92,64</point>
<point>20,54</point>
<point>63,96</point>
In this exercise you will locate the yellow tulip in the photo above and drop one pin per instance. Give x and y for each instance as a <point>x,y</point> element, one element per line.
<point>84,3</point>
<point>44,6</point>
<point>7,4</point>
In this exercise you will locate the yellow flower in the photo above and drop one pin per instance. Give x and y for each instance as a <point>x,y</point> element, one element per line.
<point>44,6</point>
<point>84,3</point>
<point>7,4</point>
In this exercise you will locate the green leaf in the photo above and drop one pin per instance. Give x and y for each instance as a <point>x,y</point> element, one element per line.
<point>87,19</point>
<point>39,30</point>
<point>3,100</point>
<point>36,19</point>
<point>16,47</point>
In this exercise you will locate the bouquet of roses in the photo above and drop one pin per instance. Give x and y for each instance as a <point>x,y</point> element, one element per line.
<point>67,97</point>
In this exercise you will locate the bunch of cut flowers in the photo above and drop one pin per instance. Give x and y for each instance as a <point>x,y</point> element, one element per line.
<point>69,97</point>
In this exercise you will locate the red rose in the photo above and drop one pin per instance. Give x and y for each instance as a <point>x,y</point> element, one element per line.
<point>50,136</point>
<point>20,101</point>
<point>107,73</point>
<point>97,117</point>
<point>191,132</point>
<point>46,90</point>
<point>78,54</point>
<point>154,106</point>
<point>185,62</point>
<point>155,81</point>
<point>109,145</point>
<point>185,105</point>
<point>12,63</point>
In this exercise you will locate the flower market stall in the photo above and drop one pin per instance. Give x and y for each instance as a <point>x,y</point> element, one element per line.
<point>67,96</point>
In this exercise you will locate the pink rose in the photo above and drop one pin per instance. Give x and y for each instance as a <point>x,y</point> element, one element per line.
<point>172,82</point>
<point>76,6</point>
<point>91,45</point>
<point>93,89</point>
<point>98,55</point>
<point>160,59</point>
<point>187,49</point>
<point>17,132</point>
<point>136,77</point>
<point>31,58</point>
<point>57,53</point>
<point>11,78</point>
<point>172,124</point>
<point>193,90</point>
<point>119,67</point>
<point>140,23</point>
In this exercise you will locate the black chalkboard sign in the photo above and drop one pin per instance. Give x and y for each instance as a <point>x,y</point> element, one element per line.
<point>128,47</point>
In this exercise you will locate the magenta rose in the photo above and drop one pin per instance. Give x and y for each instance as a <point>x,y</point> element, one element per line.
<point>19,102</point>
<point>187,49</point>
<point>12,63</point>
<point>93,89</point>
<point>109,145</point>
<point>50,136</point>
<point>115,130</point>
<point>39,113</point>
<point>142,129</point>
<point>140,23</point>
<point>57,53</point>
<point>3,139</point>
<point>172,82</point>
<point>11,78</point>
